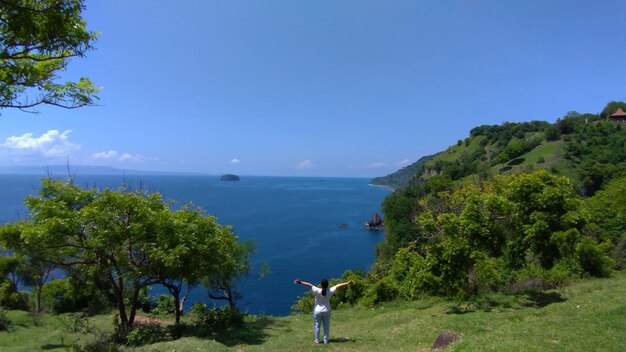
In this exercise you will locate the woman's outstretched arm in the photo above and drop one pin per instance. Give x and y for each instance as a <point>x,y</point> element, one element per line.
<point>300,282</point>
<point>344,284</point>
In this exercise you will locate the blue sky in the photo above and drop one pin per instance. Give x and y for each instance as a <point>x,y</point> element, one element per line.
<point>319,88</point>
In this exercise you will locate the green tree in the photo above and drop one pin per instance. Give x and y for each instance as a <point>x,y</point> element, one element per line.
<point>193,248</point>
<point>37,40</point>
<point>131,239</point>
<point>234,263</point>
<point>552,133</point>
<point>98,233</point>
<point>547,216</point>
<point>398,208</point>
<point>34,263</point>
<point>608,218</point>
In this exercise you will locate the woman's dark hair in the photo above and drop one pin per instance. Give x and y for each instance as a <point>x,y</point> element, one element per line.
<point>324,287</point>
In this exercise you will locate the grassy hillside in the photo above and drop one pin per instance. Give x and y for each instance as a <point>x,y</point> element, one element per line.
<point>584,148</point>
<point>584,316</point>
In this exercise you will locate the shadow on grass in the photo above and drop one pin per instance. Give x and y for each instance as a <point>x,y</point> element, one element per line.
<point>54,346</point>
<point>542,299</point>
<point>488,303</point>
<point>341,339</point>
<point>251,332</point>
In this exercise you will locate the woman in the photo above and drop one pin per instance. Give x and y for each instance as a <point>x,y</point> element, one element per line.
<point>321,312</point>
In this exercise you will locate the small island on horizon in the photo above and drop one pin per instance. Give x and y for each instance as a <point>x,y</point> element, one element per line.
<point>229,177</point>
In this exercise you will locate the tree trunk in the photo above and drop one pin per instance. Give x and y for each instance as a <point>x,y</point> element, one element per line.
<point>133,304</point>
<point>118,290</point>
<point>177,305</point>
<point>38,304</point>
<point>182,301</point>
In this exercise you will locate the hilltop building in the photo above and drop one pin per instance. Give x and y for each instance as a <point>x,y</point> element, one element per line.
<point>618,116</point>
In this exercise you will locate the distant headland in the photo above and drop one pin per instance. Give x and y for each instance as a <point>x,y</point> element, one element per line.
<point>229,177</point>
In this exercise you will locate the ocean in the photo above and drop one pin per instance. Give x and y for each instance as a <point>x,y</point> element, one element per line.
<point>293,222</point>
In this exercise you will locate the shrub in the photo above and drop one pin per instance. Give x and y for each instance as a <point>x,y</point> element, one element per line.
<point>619,253</point>
<point>382,291</point>
<point>552,133</point>
<point>592,258</point>
<point>304,303</point>
<point>563,271</point>
<point>196,313</point>
<point>216,319</point>
<point>351,294</point>
<point>58,297</point>
<point>65,295</point>
<point>12,299</point>
<point>103,343</point>
<point>491,275</point>
<point>164,305</point>
<point>516,161</point>
<point>144,334</point>
<point>5,322</point>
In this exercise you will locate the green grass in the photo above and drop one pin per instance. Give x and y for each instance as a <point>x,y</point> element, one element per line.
<point>551,152</point>
<point>455,152</point>
<point>584,316</point>
<point>48,332</point>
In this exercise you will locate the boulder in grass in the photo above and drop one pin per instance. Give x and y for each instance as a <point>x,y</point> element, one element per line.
<point>443,340</point>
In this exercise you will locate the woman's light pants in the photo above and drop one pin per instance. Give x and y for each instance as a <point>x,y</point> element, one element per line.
<point>322,318</point>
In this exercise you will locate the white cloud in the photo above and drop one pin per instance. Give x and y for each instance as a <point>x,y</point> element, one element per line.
<point>113,155</point>
<point>126,156</point>
<point>304,165</point>
<point>50,144</point>
<point>378,164</point>
<point>105,155</point>
<point>235,161</point>
<point>402,163</point>
<point>134,157</point>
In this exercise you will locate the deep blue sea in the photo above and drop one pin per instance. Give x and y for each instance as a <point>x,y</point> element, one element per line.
<point>293,222</point>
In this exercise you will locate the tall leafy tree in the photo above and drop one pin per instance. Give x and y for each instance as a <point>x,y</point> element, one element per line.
<point>37,40</point>
<point>192,248</point>
<point>233,263</point>
<point>547,216</point>
<point>130,239</point>
<point>97,233</point>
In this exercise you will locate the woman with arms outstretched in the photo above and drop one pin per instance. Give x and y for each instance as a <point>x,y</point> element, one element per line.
<point>321,312</point>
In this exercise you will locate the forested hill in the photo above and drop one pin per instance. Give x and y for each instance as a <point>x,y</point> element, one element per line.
<point>586,148</point>
<point>509,206</point>
<point>403,176</point>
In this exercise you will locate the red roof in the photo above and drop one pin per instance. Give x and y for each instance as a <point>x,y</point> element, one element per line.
<point>619,113</point>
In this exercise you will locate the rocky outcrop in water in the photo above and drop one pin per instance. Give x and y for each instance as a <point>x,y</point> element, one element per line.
<point>375,223</point>
<point>229,177</point>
